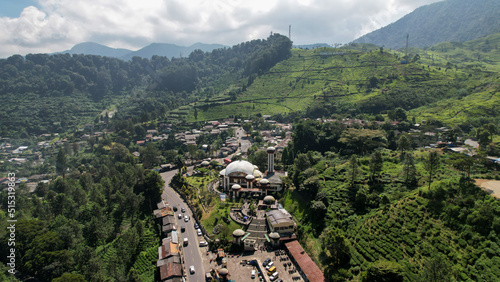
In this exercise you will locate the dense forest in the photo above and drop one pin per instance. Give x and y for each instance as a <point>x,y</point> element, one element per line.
<point>94,223</point>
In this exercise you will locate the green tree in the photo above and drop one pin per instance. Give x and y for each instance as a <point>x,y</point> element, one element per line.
<point>492,130</point>
<point>335,247</point>
<point>484,139</point>
<point>151,187</point>
<point>404,143</point>
<point>150,156</point>
<point>398,114</point>
<point>247,127</point>
<point>409,170</point>
<point>69,277</point>
<point>61,162</point>
<point>436,269</point>
<point>362,140</point>
<point>259,159</point>
<point>431,165</point>
<point>353,170</point>
<point>376,165</point>
<point>383,271</point>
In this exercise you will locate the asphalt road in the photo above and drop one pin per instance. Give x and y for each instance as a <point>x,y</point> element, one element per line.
<point>245,143</point>
<point>191,252</point>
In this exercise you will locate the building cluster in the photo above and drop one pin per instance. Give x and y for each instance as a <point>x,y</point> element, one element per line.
<point>243,178</point>
<point>169,263</point>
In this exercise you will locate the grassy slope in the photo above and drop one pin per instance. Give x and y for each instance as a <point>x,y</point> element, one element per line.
<point>309,78</point>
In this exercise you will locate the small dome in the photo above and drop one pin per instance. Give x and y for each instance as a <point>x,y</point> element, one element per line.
<point>205,163</point>
<point>271,150</point>
<point>274,235</point>
<point>269,200</point>
<point>224,272</point>
<point>238,233</point>
<point>236,187</point>
<point>250,177</point>
<point>264,181</point>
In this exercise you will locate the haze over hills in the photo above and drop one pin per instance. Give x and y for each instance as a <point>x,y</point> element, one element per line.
<point>160,49</point>
<point>451,20</point>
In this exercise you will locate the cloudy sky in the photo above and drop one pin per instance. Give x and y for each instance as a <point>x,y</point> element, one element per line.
<point>44,26</point>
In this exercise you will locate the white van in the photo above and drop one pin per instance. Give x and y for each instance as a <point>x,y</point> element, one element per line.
<point>253,274</point>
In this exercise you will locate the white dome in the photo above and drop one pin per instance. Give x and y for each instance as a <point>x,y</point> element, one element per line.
<point>264,181</point>
<point>250,177</point>
<point>222,172</point>
<point>241,167</point>
<point>236,187</point>
<point>269,200</point>
<point>238,233</point>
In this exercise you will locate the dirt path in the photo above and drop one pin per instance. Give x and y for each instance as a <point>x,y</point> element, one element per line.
<point>490,186</point>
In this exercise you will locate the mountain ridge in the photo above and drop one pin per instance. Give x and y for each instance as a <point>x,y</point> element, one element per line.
<point>160,49</point>
<point>451,20</point>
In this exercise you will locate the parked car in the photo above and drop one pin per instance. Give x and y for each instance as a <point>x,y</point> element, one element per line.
<point>269,265</point>
<point>203,244</point>
<point>274,276</point>
<point>196,225</point>
<point>183,210</point>
<point>253,274</point>
<point>271,270</point>
<point>186,218</point>
<point>191,269</point>
<point>268,260</point>
<point>198,231</point>
<point>179,216</point>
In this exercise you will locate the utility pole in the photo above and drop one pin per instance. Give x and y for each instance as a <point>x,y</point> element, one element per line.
<point>406,52</point>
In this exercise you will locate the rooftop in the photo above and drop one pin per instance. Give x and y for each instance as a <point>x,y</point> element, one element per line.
<point>306,264</point>
<point>278,216</point>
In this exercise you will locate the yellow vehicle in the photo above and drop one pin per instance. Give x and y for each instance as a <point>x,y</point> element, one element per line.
<point>271,270</point>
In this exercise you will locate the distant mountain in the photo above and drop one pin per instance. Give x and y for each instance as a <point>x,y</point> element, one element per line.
<point>170,50</point>
<point>91,48</point>
<point>451,20</point>
<point>159,49</point>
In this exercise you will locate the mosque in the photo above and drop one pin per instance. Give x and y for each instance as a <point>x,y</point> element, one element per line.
<point>242,177</point>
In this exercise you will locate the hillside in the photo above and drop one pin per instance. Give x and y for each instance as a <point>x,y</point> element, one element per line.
<point>327,82</point>
<point>55,93</point>
<point>451,20</point>
<point>367,210</point>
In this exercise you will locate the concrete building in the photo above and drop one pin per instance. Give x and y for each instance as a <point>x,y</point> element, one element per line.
<point>280,221</point>
<point>249,179</point>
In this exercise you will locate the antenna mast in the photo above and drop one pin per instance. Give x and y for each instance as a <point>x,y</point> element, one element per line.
<point>406,52</point>
<point>290,32</point>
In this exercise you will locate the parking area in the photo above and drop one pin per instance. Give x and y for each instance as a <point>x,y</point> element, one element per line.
<point>239,270</point>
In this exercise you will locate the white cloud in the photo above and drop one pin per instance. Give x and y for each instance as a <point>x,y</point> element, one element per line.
<point>57,25</point>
